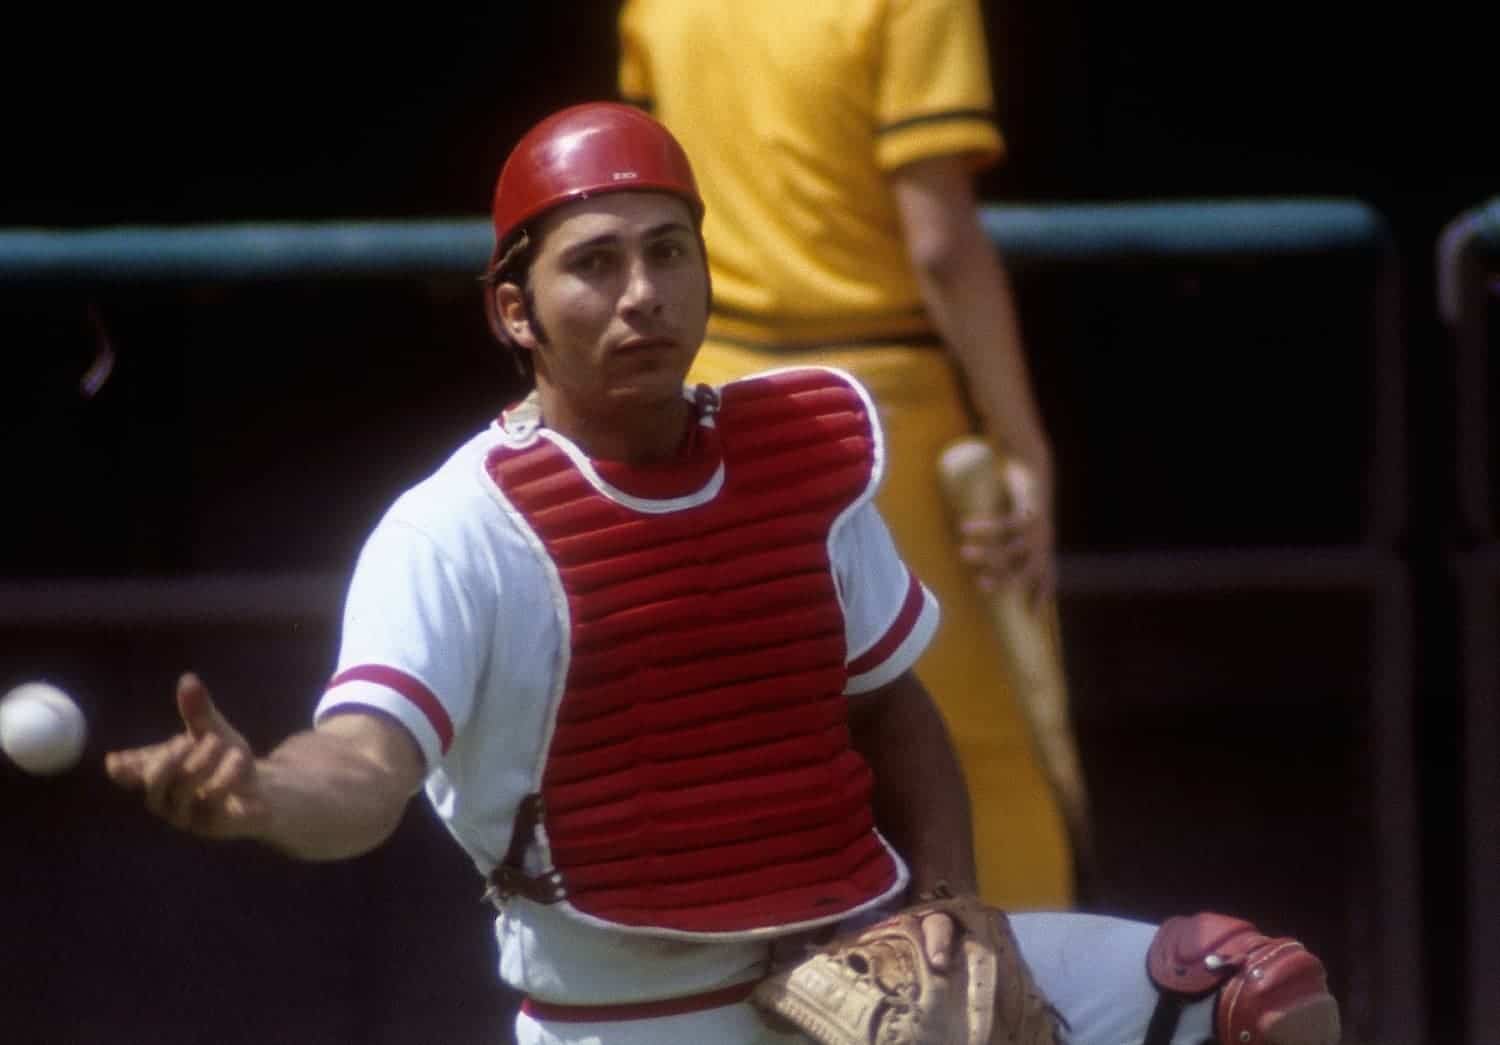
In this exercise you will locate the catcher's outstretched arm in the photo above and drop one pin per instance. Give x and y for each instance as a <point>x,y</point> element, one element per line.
<point>327,793</point>
<point>921,801</point>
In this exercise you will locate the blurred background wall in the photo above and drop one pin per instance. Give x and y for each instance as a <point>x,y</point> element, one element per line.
<point>253,433</point>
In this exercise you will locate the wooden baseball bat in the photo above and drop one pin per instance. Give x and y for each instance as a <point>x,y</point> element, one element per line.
<point>974,483</point>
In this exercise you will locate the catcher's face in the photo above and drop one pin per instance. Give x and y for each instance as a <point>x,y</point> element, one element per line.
<point>618,305</point>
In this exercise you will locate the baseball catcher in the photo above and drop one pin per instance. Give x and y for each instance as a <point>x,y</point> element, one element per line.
<point>648,648</point>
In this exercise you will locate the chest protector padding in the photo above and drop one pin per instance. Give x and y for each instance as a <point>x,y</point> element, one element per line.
<point>700,776</point>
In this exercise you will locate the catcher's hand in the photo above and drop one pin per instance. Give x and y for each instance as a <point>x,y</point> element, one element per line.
<point>203,780</point>
<point>882,986</point>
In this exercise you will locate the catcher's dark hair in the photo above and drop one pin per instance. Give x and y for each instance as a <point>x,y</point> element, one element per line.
<point>514,266</point>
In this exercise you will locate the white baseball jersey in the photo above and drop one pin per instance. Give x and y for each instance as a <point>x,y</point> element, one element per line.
<point>451,627</point>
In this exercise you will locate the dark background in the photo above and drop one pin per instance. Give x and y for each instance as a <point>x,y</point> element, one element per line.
<point>258,430</point>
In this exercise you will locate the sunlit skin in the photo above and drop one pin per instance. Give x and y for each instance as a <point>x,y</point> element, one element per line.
<point>620,288</point>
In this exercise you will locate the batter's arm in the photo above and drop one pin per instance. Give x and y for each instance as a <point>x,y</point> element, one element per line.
<point>968,296</point>
<point>921,802</point>
<point>332,792</point>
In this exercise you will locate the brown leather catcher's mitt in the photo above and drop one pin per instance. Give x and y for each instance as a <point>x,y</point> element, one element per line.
<point>876,987</point>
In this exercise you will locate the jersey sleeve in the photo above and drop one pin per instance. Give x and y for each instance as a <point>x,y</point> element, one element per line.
<point>414,638</point>
<point>933,96</point>
<point>889,615</point>
<point>634,72</point>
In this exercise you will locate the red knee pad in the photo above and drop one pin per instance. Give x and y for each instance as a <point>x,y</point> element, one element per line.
<point>1271,991</point>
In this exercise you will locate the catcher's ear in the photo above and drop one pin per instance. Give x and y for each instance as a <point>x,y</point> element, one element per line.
<point>512,316</point>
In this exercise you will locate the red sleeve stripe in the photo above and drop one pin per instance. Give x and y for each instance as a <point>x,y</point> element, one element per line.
<point>911,610</point>
<point>422,697</point>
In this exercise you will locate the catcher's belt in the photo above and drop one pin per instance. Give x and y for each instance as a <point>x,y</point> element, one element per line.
<point>558,1012</point>
<point>877,986</point>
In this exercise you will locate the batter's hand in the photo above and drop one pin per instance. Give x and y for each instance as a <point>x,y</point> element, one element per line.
<point>1015,544</point>
<point>204,779</point>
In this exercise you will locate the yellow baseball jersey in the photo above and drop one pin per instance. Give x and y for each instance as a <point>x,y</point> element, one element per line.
<point>794,114</point>
<point>849,91</point>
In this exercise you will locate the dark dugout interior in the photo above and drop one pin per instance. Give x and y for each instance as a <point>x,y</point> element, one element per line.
<point>257,431</point>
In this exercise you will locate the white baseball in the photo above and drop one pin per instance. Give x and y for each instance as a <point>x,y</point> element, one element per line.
<point>41,728</point>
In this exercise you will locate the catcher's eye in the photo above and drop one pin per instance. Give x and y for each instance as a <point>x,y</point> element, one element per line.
<point>858,964</point>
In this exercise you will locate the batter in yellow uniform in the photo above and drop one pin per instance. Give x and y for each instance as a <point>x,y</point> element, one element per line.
<point>835,143</point>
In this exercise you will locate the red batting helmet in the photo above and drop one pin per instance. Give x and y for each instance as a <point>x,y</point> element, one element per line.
<point>586,150</point>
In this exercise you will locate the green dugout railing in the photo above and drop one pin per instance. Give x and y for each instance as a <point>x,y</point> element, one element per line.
<point>1386,993</point>
<point>1062,234</point>
<point>1206,230</point>
<point>245,252</point>
<point>1468,258</point>
<point>1031,238</point>
<point>1468,262</point>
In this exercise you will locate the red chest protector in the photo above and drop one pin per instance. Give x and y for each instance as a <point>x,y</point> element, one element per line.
<point>699,778</point>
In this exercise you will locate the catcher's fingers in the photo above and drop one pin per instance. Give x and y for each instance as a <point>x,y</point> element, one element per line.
<point>232,775</point>
<point>160,771</point>
<point>125,768</point>
<point>938,930</point>
<point>199,714</point>
<point>200,765</point>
